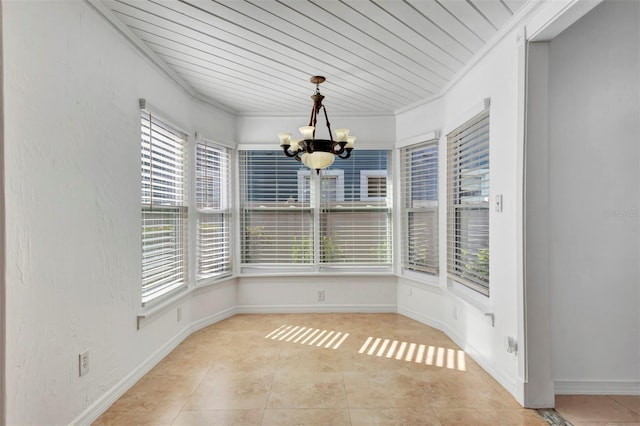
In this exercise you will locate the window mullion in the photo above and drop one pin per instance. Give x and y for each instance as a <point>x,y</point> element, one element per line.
<point>316,193</point>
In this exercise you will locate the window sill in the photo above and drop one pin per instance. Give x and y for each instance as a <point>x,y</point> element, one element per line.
<point>472,298</point>
<point>206,282</point>
<point>174,299</point>
<point>162,306</point>
<point>423,278</point>
<point>329,272</point>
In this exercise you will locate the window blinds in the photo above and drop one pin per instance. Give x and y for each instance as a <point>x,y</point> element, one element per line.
<point>296,218</point>
<point>164,211</point>
<point>213,238</point>
<point>419,182</point>
<point>355,214</point>
<point>275,210</point>
<point>468,204</point>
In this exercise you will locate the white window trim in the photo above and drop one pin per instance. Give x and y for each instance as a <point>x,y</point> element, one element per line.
<point>430,205</point>
<point>338,174</point>
<point>317,268</point>
<point>224,210</point>
<point>182,209</point>
<point>452,208</point>
<point>364,184</point>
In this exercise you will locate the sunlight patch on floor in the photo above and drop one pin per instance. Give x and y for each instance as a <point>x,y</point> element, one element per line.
<point>308,336</point>
<point>422,354</point>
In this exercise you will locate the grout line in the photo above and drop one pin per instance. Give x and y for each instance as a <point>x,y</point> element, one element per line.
<point>552,417</point>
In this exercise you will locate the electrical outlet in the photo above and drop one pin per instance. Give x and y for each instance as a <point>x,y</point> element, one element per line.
<point>454,312</point>
<point>320,295</point>
<point>179,313</point>
<point>83,363</point>
<point>511,345</point>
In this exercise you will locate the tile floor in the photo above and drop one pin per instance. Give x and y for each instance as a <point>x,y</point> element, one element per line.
<point>596,410</point>
<point>324,369</point>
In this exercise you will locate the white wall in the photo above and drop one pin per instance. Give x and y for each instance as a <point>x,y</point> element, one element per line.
<point>72,173</point>
<point>343,293</point>
<point>539,391</point>
<point>72,210</point>
<point>3,299</point>
<point>594,181</point>
<point>462,314</point>
<point>593,85</point>
<point>373,132</point>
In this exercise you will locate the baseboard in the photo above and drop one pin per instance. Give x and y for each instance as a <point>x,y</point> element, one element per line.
<point>108,398</point>
<point>420,318</point>
<point>212,319</point>
<point>508,384</point>
<point>503,379</point>
<point>596,388</point>
<point>314,309</point>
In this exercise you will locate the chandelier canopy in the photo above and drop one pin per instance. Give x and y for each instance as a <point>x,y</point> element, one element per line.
<point>317,153</point>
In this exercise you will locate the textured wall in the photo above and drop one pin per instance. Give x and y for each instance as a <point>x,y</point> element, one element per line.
<point>459,312</point>
<point>72,158</point>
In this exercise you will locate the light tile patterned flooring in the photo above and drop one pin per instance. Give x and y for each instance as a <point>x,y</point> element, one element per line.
<point>320,369</point>
<point>599,410</point>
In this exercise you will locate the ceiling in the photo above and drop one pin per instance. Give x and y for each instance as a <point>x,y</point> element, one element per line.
<point>256,56</point>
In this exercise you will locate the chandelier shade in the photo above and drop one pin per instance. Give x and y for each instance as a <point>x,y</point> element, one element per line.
<point>315,153</point>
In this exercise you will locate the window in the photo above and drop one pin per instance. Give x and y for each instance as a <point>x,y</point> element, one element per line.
<point>332,184</point>
<point>213,237</point>
<point>276,219</point>
<point>419,180</point>
<point>164,207</point>
<point>373,185</point>
<point>357,230</point>
<point>297,218</point>
<point>468,204</point>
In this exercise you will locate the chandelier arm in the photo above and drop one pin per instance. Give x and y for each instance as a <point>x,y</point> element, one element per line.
<point>340,146</point>
<point>347,154</point>
<point>285,148</point>
<point>326,117</point>
<point>312,119</point>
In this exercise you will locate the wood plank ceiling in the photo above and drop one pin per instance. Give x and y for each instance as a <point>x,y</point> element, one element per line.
<point>256,56</point>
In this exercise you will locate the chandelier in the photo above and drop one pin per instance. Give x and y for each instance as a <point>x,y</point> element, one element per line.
<point>317,153</point>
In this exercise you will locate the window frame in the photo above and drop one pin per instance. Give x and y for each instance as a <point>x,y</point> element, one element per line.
<point>430,207</point>
<point>318,210</point>
<point>164,161</point>
<point>337,175</point>
<point>364,184</point>
<point>207,189</point>
<point>467,201</point>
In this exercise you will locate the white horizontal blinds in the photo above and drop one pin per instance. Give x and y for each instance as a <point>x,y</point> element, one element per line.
<point>163,250</point>
<point>212,176</point>
<point>213,237</point>
<point>355,214</point>
<point>164,211</point>
<point>275,209</point>
<point>419,181</point>
<point>163,152</point>
<point>468,204</point>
